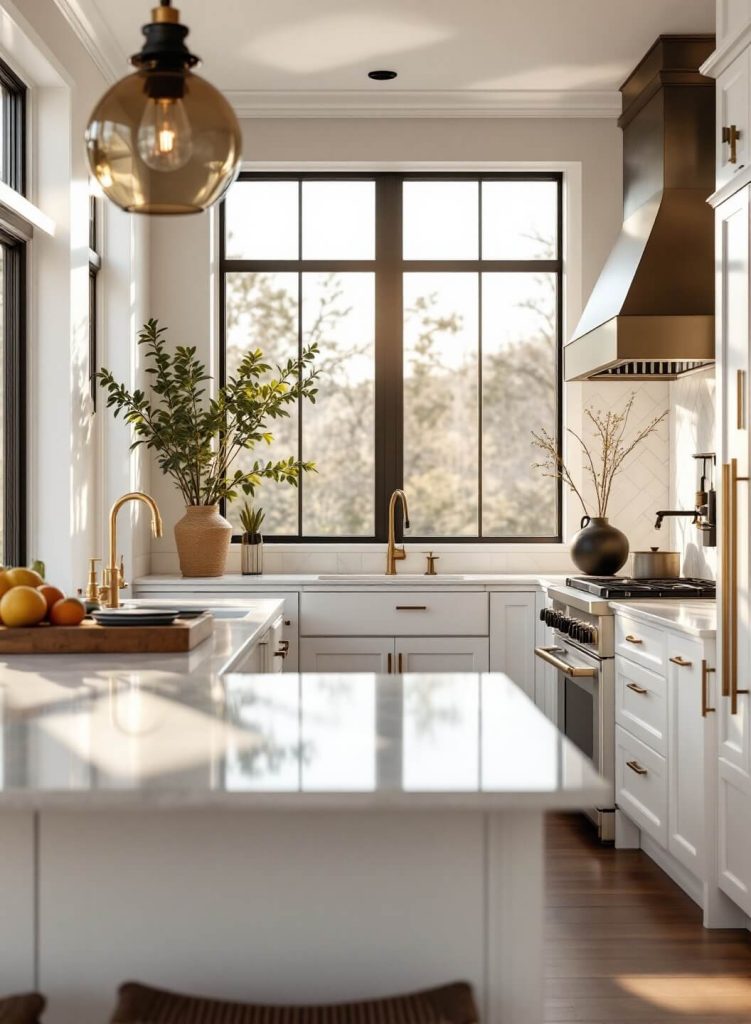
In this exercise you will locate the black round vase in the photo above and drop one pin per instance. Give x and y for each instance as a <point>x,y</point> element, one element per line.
<point>599,549</point>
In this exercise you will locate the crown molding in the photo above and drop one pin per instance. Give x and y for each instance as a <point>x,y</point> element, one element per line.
<point>417,103</point>
<point>95,36</point>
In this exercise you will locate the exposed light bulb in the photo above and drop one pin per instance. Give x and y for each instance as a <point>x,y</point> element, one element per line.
<point>165,140</point>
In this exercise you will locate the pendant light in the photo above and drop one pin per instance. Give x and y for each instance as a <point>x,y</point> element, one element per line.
<point>163,140</point>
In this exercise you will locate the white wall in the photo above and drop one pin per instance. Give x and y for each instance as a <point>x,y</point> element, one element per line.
<point>67,488</point>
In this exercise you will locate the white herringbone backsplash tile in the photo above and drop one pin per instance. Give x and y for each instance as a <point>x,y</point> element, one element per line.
<point>692,429</point>
<point>643,485</point>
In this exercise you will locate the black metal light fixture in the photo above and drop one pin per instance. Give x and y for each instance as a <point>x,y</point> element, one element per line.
<point>163,140</point>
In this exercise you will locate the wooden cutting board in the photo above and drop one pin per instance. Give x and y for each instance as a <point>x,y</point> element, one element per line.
<point>91,638</point>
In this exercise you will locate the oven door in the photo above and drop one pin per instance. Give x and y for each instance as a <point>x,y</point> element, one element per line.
<point>586,715</point>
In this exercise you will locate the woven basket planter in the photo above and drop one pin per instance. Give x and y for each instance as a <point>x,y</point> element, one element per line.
<point>202,537</point>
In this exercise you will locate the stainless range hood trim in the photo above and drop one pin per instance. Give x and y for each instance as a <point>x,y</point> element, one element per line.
<point>678,341</point>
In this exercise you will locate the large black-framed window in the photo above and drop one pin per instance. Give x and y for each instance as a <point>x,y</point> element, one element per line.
<point>13,129</point>
<point>436,301</point>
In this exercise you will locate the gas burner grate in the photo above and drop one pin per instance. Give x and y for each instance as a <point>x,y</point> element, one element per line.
<point>622,586</point>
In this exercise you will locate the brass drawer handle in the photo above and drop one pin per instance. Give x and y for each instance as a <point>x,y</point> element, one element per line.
<point>389,657</point>
<point>636,688</point>
<point>636,767</point>
<point>411,607</point>
<point>730,136</point>
<point>740,401</point>
<point>400,668</point>
<point>705,670</point>
<point>633,639</point>
<point>681,662</point>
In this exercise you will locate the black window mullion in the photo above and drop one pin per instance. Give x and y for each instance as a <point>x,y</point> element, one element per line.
<point>14,129</point>
<point>14,436</point>
<point>299,356</point>
<point>389,371</point>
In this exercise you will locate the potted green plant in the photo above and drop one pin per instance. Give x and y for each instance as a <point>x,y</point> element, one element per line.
<point>197,438</point>
<point>251,540</point>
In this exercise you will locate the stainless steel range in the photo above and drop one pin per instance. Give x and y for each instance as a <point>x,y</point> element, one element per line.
<point>582,651</point>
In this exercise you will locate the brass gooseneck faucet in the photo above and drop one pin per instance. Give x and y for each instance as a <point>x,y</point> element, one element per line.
<point>393,553</point>
<point>113,574</point>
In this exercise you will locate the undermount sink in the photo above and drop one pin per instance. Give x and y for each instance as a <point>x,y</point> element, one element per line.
<point>379,577</point>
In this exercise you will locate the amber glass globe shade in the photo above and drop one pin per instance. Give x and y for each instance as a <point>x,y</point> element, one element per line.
<point>163,156</point>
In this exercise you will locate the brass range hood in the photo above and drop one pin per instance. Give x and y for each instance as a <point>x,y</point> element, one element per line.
<point>651,314</point>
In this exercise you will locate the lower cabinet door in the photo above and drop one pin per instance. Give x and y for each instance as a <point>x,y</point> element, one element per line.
<point>641,785</point>
<point>734,834</point>
<point>442,654</point>
<point>512,637</point>
<point>686,762</point>
<point>347,654</point>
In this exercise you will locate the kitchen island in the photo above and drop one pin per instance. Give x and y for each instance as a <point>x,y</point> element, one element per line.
<point>276,838</point>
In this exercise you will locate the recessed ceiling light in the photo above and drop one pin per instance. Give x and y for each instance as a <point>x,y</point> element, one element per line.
<point>382,76</point>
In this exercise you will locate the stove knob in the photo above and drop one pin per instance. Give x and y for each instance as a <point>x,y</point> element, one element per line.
<point>543,614</point>
<point>576,631</point>
<point>565,624</point>
<point>590,635</point>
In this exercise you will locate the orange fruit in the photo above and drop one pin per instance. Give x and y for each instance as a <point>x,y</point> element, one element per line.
<point>5,583</point>
<point>22,606</point>
<point>50,594</point>
<point>68,612</point>
<point>23,578</point>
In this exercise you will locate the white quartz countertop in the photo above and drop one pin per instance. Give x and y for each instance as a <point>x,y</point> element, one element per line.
<point>180,734</point>
<point>235,582</point>
<point>695,617</point>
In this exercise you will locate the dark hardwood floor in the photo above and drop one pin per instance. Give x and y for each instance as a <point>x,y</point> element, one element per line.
<point>624,944</point>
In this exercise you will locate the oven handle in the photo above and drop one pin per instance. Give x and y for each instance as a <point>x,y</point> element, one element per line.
<point>550,654</point>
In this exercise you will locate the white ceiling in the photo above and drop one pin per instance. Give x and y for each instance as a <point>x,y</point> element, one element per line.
<point>579,50</point>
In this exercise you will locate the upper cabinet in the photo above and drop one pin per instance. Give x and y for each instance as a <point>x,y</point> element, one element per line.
<point>733,16</point>
<point>733,104</point>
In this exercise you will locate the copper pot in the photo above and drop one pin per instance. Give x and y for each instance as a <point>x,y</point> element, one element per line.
<point>656,565</point>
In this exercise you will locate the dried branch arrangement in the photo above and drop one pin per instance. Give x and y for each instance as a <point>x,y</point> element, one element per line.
<point>603,466</point>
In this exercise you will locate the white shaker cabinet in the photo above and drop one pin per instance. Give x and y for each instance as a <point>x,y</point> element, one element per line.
<point>394,655</point>
<point>442,654</point>
<point>733,101</point>
<point>513,625</point>
<point>347,654</point>
<point>734,594</point>
<point>691,699</point>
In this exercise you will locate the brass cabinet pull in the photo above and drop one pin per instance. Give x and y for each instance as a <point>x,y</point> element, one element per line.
<point>740,400</point>
<point>633,639</point>
<point>730,136</point>
<point>550,655</point>
<point>389,658</point>
<point>411,607</point>
<point>730,481</point>
<point>681,662</point>
<point>636,688</point>
<point>636,767</point>
<point>705,670</point>
<point>399,663</point>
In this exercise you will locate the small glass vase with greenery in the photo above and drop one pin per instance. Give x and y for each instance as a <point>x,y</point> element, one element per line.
<point>200,439</point>
<point>251,539</point>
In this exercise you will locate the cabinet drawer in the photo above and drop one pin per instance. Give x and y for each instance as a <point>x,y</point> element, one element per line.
<point>394,614</point>
<point>640,643</point>
<point>732,98</point>
<point>641,789</point>
<point>641,703</point>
